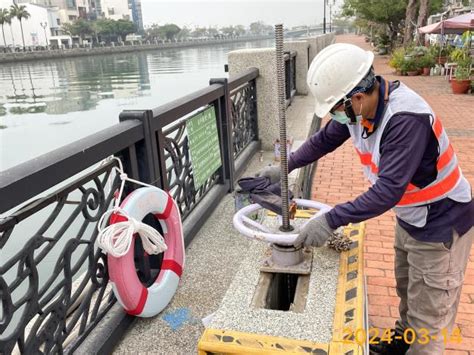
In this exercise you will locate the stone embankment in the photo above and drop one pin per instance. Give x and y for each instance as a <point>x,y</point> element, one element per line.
<point>80,52</point>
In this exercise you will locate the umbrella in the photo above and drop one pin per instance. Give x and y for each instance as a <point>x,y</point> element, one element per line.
<point>458,24</point>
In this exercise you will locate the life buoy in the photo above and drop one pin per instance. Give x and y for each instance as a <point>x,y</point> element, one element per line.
<point>134,297</point>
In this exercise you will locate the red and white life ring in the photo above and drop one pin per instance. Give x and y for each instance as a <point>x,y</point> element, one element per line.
<point>135,298</point>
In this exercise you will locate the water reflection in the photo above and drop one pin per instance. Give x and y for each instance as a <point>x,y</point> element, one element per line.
<point>68,99</point>
<point>59,87</point>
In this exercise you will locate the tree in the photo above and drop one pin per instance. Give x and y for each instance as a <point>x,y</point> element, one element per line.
<point>200,32</point>
<point>169,31</point>
<point>83,28</point>
<point>387,14</point>
<point>409,21</point>
<point>419,10</point>
<point>105,28</point>
<point>4,18</point>
<point>184,33</point>
<point>257,27</point>
<point>422,15</point>
<point>213,32</point>
<point>123,28</point>
<point>239,30</point>
<point>80,28</point>
<point>152,32</point>
<point>20,12</point>
<point>228,31</point>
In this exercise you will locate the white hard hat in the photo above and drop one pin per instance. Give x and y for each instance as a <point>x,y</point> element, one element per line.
<point>334,72</point>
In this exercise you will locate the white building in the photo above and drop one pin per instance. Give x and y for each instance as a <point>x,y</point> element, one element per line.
<point>42,24</point>
<point>116,9</point>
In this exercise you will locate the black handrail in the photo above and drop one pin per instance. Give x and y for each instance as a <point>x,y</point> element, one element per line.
<point>31,178</point>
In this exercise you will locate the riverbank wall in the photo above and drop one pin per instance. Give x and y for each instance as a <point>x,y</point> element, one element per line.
<point>80,52</point>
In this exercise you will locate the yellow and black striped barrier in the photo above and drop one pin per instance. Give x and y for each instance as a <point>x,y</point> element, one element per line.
<point>349,315</point>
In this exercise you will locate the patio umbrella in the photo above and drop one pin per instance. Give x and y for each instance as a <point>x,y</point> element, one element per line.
<point>455,25</point>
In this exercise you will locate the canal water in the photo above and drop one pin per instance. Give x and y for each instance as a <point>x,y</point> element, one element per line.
<point>47,104</point>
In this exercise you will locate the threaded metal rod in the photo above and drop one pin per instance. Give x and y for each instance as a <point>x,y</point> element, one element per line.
<point>282,120</point>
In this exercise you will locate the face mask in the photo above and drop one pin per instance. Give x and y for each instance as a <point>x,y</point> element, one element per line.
<point>340,117</point>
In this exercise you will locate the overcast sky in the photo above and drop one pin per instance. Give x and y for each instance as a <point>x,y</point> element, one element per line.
<point>231,12</point>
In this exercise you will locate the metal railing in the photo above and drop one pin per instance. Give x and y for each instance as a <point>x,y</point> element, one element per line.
<point>54,287</point>
<point>290,76</point>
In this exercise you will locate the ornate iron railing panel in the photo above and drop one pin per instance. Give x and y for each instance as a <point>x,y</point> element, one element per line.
<point>179,169</point>
<point>53,281</point>
<point>55,289</point>
<point>244,116</point>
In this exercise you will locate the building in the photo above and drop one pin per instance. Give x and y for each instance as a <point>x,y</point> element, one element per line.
<point>116,9</point>
<point>452,8</point>
<point>47,17</point>
<point>38,29</point>
<point>136,7</point>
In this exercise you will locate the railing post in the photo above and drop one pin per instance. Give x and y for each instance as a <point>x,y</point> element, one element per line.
<point>161,160</point>
<point>224,118</point>
<point>288,76</point>
<point>254,109</point>
<point>293,73</point>
<point>146,152</point>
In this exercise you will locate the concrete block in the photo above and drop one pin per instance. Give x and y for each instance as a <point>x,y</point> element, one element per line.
<point>267,100</point>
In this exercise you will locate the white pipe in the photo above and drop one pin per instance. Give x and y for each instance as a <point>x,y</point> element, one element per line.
<point>278,238</point>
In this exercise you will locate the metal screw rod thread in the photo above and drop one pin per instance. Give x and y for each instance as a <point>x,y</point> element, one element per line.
<point>282,120</point>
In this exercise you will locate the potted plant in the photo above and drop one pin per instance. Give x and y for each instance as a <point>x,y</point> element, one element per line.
<point>397,59</point>
<point>426,63</point>
<point>383,43</point>
<point>410,67</point>
<point>441,53</point>
<point>462,81</point>
<point>458,54</point>
<point>419,51</point>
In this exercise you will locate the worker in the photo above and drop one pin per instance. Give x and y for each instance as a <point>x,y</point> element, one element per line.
<point>412,167</point>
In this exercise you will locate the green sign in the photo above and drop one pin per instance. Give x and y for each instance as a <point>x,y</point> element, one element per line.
<point>203,145</point>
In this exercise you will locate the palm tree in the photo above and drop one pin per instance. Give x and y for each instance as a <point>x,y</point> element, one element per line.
<point>4,18</point>
<point>20,12</point>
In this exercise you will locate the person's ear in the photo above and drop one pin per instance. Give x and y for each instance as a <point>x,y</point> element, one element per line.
<point>357,98</point>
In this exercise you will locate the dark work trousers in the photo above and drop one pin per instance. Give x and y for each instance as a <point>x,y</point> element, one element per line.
<point>429,280</point>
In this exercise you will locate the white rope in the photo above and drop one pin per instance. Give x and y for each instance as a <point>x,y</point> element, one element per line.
<point>116,239</point>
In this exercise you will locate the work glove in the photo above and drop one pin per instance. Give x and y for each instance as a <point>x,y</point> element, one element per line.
<point>315,233</point>
<point>271,172</point>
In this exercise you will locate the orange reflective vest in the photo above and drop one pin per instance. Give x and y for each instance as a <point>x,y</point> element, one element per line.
<point>449,182</point>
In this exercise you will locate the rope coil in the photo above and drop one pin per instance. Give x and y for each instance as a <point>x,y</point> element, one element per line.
<point>116,239</point>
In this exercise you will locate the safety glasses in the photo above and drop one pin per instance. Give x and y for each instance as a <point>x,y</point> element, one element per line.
<point>347,102</point>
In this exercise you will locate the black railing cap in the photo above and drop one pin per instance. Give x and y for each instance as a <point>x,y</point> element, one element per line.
<point>35,176</point>
<point>168,113</point>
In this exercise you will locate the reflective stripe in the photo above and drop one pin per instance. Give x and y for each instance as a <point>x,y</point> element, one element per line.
<point>437,128</point>
<point>445,158</point>
<point>366,159</point>
<point>431,192</point>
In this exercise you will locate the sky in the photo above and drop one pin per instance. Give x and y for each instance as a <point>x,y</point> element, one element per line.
<point>192,13</point>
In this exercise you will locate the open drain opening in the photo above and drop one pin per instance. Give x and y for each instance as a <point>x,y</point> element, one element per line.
<point>281,292</point>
